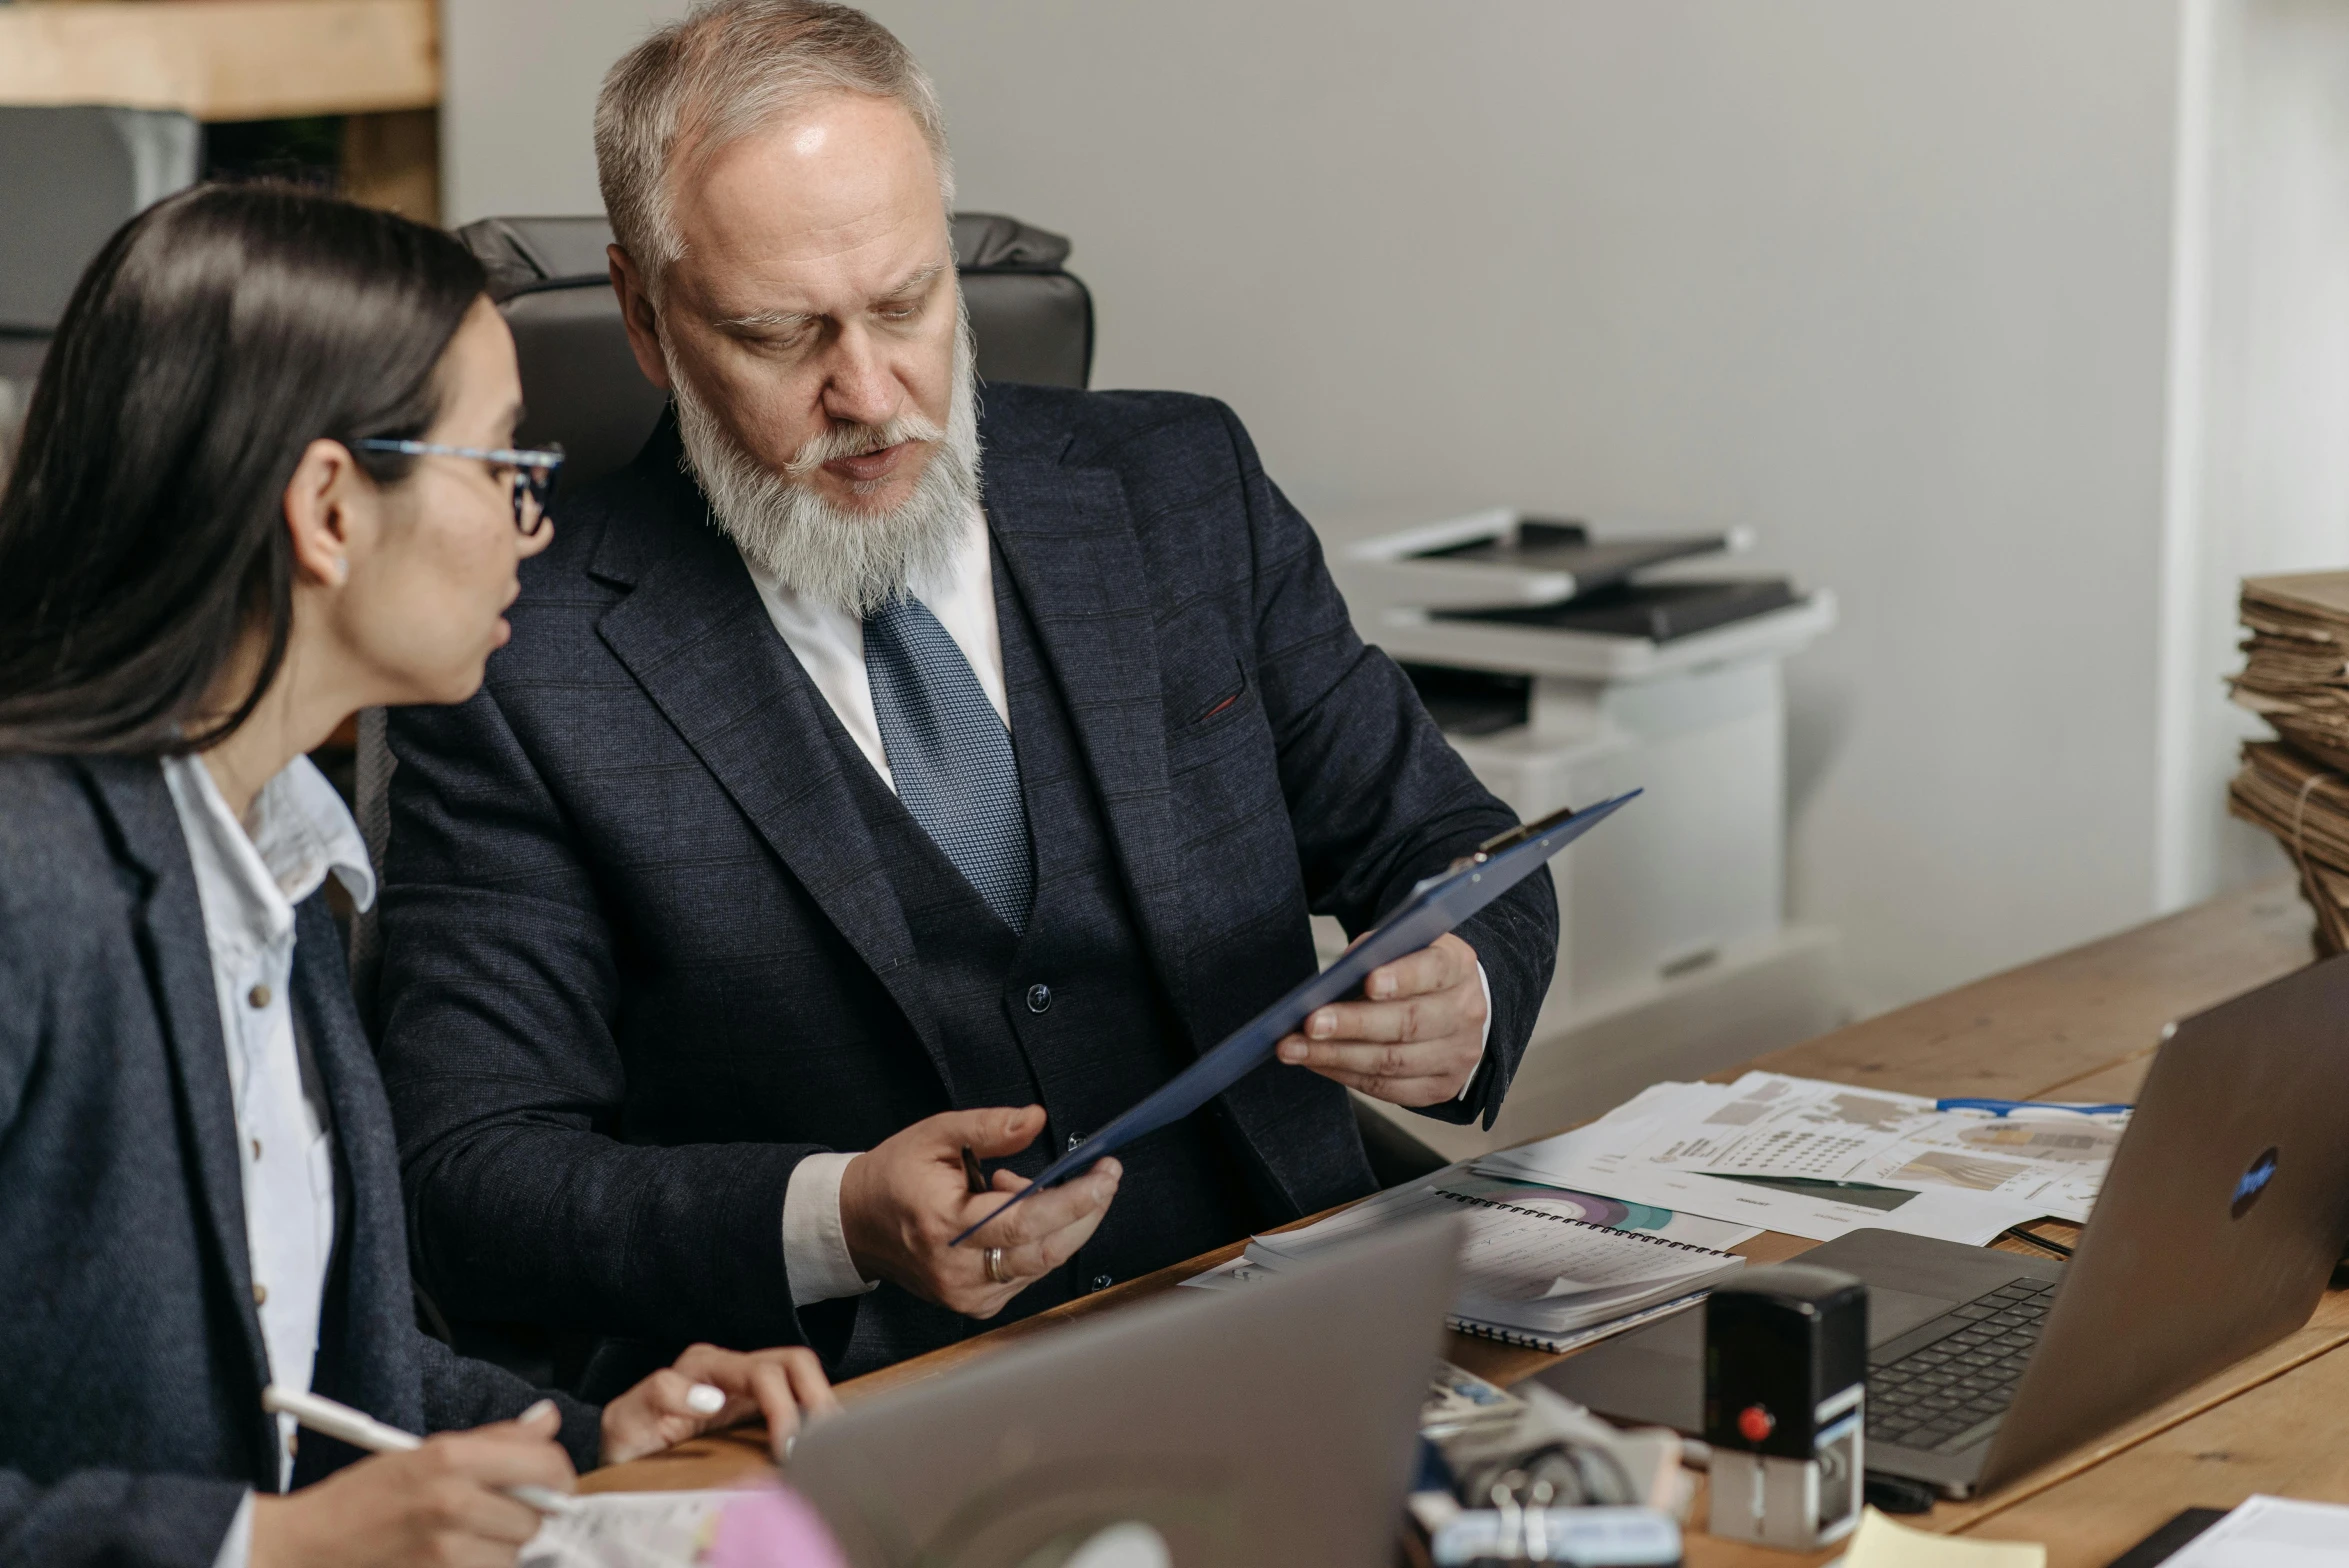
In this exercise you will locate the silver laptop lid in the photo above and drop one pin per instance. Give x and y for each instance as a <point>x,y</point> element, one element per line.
<point>2222,1216</point>
<point>1269,1425</point>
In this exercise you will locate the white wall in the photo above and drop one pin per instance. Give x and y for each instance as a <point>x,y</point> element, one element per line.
<point>1890,280</point>
<point>2260,386</point>
<point>518,100</point>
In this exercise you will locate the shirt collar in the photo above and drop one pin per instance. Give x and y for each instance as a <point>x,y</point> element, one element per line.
<point>302,833</point>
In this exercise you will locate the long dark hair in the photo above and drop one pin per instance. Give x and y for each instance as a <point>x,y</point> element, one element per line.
<point>142,532</point>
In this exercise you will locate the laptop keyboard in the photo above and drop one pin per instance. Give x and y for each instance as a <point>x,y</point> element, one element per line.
<point>1949,1394</point>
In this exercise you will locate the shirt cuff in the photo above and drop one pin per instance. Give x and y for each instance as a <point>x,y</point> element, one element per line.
<point>815,1248</point>
<point>236,1547</point>
<point>1484,1042</point>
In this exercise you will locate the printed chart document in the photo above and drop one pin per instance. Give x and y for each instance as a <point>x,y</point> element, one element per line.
<point>1818,1159</point>
<point>1539,1266</point>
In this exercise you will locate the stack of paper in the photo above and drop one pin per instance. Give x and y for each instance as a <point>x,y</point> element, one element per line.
<point>628,1530</point>
<point>2296,676</point>
<point>2272,1532</point>
<point>1819,1159</point>
<point>2296,661</point>
<point>1539,1266</point>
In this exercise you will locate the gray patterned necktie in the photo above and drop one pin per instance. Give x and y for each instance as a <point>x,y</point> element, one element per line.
<point>950,754</point>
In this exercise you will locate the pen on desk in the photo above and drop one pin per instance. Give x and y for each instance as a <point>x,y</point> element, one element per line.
<point>2006,1107</point>
<point>362,1430</point>
<point>973,1177</point>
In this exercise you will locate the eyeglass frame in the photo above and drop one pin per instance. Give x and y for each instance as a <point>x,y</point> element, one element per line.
<point>535,471</point>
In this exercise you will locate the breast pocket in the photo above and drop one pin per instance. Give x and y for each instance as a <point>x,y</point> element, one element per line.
<point>1214,693</point>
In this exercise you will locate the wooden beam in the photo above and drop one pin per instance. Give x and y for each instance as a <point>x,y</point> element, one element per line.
<point>224,59</point>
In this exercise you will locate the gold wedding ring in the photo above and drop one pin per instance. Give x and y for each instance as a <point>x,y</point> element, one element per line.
<point>993,1258</point>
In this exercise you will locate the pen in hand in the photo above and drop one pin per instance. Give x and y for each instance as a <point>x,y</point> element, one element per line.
<point>362,1430</point>
<point>973,1178</point>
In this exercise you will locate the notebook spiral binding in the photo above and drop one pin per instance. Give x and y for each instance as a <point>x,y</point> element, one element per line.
<point>1544,1214</point>
<point>1559,1344</point>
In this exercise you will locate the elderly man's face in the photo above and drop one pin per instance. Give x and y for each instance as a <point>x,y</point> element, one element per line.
<point>815,297</point>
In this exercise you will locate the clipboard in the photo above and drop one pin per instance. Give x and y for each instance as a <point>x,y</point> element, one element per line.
<point>1434,907</point>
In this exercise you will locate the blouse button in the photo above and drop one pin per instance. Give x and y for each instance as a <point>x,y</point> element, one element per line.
<point>258,996</point>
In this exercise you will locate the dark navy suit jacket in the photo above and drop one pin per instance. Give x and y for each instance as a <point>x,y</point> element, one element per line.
<point>640,955</point>
<point>131,1358</point>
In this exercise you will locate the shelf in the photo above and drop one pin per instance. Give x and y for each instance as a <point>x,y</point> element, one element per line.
<point>224,59</point>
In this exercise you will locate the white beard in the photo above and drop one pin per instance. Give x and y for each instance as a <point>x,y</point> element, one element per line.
<point>854,561</point>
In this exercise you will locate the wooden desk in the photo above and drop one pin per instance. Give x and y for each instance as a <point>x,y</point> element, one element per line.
<point>2082,1024</point>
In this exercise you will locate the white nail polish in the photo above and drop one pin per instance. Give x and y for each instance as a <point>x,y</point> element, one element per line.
<point>704,1399</point>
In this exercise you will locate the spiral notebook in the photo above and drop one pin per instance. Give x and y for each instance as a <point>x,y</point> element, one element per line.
<point>1540,1267</point>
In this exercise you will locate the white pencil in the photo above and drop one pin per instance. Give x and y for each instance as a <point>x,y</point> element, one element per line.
<point>361,1430</point>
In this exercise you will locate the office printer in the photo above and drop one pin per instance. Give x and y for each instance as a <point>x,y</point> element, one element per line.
<point>1567,661</point>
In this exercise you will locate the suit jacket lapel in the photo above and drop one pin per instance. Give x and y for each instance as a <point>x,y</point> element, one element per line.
<point>1070,548</point>
<point>696,637</point>
<point>178,956</point>
<point>1066,538</point>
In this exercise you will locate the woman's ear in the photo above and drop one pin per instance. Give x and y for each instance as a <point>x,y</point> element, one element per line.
<point>323,503</point>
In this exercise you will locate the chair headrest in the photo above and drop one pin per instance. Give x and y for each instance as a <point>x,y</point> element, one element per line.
<point>1032,320</point>
<point>534,253</point>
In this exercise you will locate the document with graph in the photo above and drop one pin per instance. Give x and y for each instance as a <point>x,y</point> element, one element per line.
<point>1854,1155</point>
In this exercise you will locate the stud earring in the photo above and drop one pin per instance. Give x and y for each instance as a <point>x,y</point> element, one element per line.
<point>342,569</point>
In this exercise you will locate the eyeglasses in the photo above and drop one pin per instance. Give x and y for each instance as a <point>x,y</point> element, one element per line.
<point>534,472</point>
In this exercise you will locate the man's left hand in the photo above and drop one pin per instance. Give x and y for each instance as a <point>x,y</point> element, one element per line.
<point>1415,1039</point>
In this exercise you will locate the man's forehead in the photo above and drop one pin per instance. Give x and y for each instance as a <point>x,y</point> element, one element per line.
<point>837,204</point>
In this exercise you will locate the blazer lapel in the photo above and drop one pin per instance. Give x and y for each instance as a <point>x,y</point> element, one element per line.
<point>1070,548</point>
<point>696,637</point>
<point>178,958</point>
<point>365,1349</point>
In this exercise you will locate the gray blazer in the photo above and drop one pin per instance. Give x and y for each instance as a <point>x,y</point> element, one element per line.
<point>131,1359</point>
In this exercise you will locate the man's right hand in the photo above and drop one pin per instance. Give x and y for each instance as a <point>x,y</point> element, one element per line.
<point>440,1506</point>
<point>902,1201</point>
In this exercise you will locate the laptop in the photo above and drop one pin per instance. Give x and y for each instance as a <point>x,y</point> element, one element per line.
<point>1271,1425</point>
<point>2217,1227</point>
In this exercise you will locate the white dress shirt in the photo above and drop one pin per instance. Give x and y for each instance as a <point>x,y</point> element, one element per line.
<point>830,645</point>
<point>248,885</point>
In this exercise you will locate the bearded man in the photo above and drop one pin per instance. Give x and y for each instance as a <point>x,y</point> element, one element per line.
<point>831,813</point>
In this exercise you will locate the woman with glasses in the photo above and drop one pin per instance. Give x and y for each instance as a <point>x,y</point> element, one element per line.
<point>267,479</point>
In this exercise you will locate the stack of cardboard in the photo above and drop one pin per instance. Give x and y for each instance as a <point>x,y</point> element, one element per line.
<point>2296,676</point>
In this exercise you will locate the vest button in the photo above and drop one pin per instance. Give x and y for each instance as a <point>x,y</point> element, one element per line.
<point>1101,1282</point>
<point>1039,998</point>
<point>1074,1139</point>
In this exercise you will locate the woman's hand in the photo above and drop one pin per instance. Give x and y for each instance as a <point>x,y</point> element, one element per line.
<point>663,1410</point>
<point>442,1506</point>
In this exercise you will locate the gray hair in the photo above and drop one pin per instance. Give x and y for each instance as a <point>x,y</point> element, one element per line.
<point>724,72</point>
